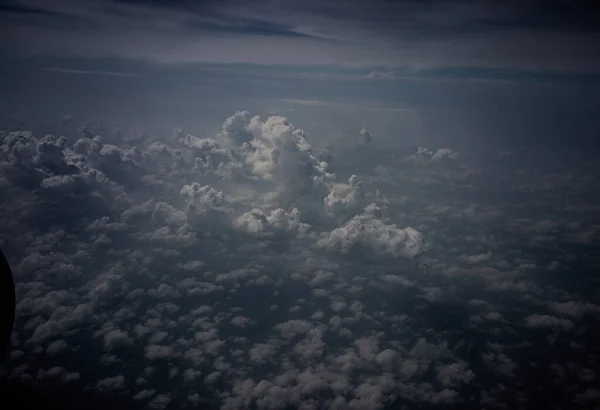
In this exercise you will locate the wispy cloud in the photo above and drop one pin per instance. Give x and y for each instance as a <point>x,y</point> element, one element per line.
<point>381,75</point>
<point>393,109</point>
<point>312,103</point>
<point>88,72</point>
<point>363,105</point>
<point>500,35</point>
<point>370,76</point>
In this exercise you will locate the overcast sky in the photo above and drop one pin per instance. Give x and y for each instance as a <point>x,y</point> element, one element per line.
<point>510,35</point>
<point>514,71</point>
<point>381,40</point>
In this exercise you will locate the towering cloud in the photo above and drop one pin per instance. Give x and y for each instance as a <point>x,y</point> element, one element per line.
<point>365,136</point>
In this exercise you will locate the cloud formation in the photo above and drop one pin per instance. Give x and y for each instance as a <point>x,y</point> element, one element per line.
<point>245,269</point>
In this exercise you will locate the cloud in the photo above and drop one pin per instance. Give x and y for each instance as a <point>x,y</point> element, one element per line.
<point>477,258</point>
<point>381,75</point>
<point>547,321</point>
<point>574,309</point>
<point>255,268</point>
<point>111,383</point>
<point>256,221</point>
<point>88,72</point>
<point>116,338</point>
<point>502,36</point>
<point>92,187</point>
<point>312,103</point>
<point>369,233</point>
<point>439,155</point>
<point>365,136</point>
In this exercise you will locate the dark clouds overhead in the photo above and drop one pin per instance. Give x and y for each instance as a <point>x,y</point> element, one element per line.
<point>557,35</point>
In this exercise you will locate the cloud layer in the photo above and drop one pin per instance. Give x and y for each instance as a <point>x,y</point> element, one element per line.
<point>508,35</point>
<point>245,269</point>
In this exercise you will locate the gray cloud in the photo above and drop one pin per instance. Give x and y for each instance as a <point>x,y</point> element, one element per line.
<point>507,35</point>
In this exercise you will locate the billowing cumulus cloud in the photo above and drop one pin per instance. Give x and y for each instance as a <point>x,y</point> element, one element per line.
<point>368,232</point>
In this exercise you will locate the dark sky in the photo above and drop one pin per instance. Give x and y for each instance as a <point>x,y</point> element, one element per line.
<point>474,72</point>
<point>532,35</point>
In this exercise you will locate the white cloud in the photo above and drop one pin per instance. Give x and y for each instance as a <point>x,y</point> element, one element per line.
<point>256,221</point>
<point>372,234</point>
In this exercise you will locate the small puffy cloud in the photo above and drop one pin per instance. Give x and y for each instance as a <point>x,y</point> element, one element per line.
<point>262,353</point>
<point>500,363</point>
<point>589,397</point>
<point>365,136</point>
<point>204,204</point>
<point>191,375</point>
<point>454,374</point>
<point>160,401</point>
<point>111,383</point>
<point>368,232</point>
<point>548,322</point>
<point>241,321</point>
<point>473,259</point>
<point>345,200</point>
<point>159,352</point>
<point>58,373</point>
<point>116,338</point>
<point>144,394</point>
<point>337,305</point>
<point>387,358</point>
<point>443,153</point>
<point>439,155</point>
<point>56,347</point>
<point>278,220</point>
<point>574,309</point>
<point>293,328</point>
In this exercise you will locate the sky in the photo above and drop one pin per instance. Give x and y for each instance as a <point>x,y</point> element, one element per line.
<point>514,71</point>
<point>512,35</point>
<point>270,204</point>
